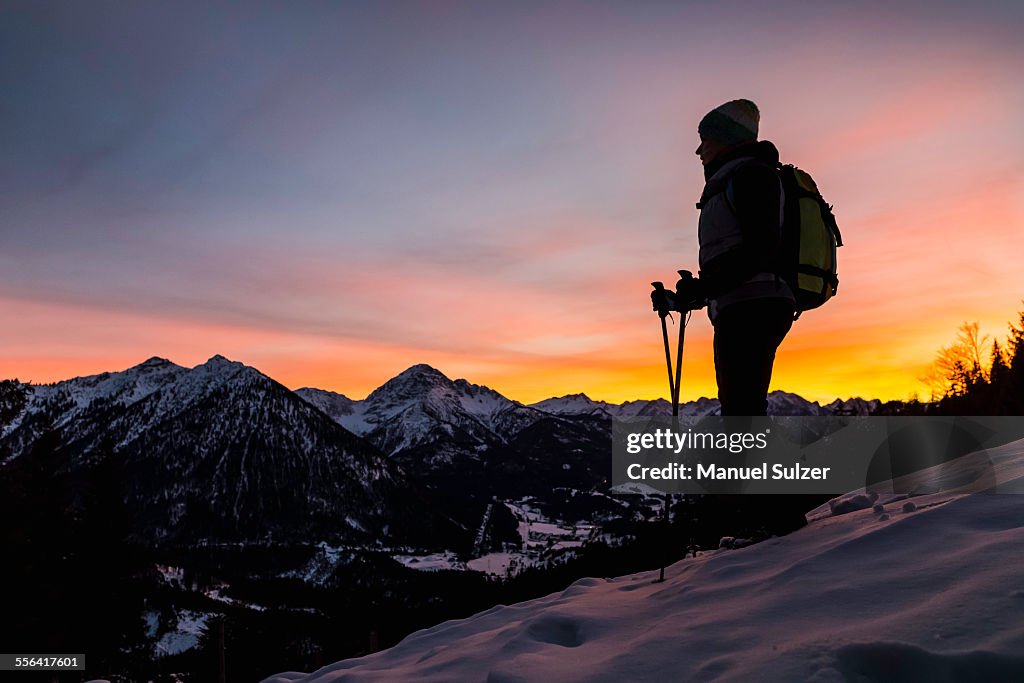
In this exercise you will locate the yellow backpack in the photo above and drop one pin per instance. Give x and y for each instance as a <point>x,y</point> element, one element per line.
<point>810,237</point>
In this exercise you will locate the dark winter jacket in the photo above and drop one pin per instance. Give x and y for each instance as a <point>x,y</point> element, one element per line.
<point>740,227</point>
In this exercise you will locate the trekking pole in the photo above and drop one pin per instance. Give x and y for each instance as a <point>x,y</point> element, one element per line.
<point>663,312</point>
<point>685,281</point>
<point>660,287</point>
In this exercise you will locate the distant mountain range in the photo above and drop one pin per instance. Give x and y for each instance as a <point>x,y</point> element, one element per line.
<point>423,396</point>
<point>221,452</point>
<point>216,452</point>
<point>779,403</point>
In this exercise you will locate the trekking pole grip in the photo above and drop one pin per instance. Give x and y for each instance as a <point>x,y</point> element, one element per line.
<point>660,299</point>
<point>684,290</point>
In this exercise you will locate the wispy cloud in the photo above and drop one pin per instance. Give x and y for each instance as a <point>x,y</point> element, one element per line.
<point>335,193</point>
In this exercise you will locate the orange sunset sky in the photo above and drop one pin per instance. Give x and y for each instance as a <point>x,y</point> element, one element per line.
<point>333,194</point>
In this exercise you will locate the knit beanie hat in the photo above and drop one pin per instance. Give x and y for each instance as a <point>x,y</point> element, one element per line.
<point>731,123</point>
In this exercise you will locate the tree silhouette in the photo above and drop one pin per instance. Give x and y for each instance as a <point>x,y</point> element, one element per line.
<point>1015,389</point>
<point>959,367</point>
<point>962,383</point>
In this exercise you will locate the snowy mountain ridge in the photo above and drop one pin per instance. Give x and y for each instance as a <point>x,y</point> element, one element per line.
<point>779,403</point>
<point>417,408</point>
<point>853,406</point>
<point>421,406</point>
<point>69,399</point>
<point>217,451</point>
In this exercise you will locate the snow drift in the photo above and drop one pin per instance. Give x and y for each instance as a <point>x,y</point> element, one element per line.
<point>930,588</point>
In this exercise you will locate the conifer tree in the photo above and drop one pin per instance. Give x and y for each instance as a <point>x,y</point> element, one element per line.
<point>999,380</point>
<point>1015,385</point>
<point>999,373</point>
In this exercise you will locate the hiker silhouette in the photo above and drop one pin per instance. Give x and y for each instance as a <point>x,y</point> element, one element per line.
<point>739,231</point>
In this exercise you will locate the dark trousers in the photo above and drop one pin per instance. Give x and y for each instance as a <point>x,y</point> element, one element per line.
<point>746,337</point>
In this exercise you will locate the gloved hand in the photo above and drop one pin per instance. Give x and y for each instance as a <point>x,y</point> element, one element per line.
<point>690,294</point>
<point>663,301</point>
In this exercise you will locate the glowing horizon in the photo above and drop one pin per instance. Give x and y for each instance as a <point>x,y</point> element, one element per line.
<point>490,190</point>
<point>343,366</point>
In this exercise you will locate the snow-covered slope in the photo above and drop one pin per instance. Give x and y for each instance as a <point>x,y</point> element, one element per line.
<point>63,402</point>
<point>927,589</point>
<point>337,406</point>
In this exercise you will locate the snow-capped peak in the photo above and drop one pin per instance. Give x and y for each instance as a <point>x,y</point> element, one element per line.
<point>785,403</point>
<point>572,404</point>
<point>219,361</point>
<point>173,386</point>
<point>153,363</point>
<point>220,369</point>
<point>422,404</point>
<point>430,388</point>
<point>125,387</point>
<point>853,406</point>
<point>415,382</point>
<point>421,369</point>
